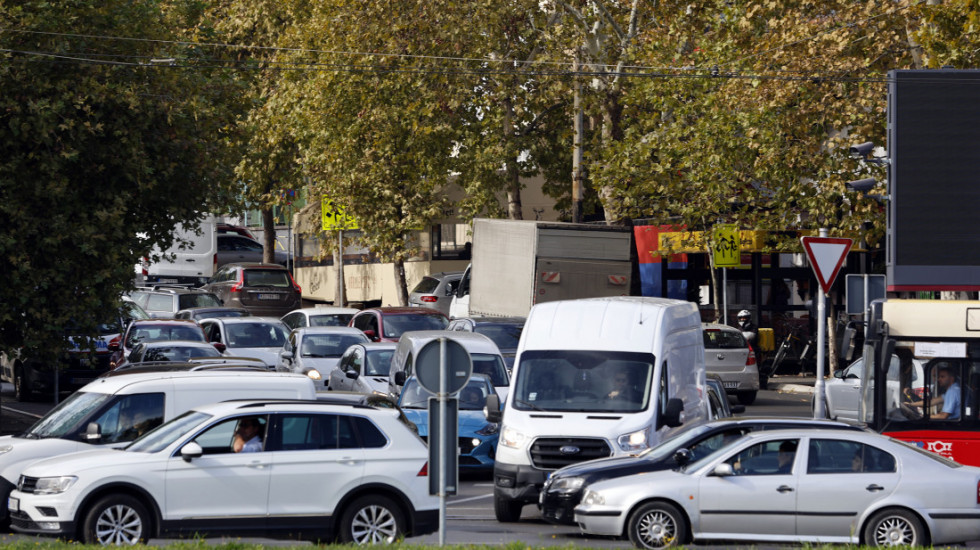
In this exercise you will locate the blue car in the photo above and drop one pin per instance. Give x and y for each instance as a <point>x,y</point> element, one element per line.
<point>477,437</point>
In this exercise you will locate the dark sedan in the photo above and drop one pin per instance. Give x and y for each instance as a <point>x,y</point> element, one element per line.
<point>564,488</point>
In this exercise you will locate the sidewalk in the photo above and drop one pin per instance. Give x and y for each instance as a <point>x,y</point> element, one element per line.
<point>784,383</point>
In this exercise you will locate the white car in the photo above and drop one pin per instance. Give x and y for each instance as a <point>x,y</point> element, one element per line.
<point>319,316</point>
<point>843,391</point>
<point>727,354</point>
<point>819,486</point>
<point>316,351</point>
<point>258,337</point>
<point>323,470</point>
<point>363,369</point>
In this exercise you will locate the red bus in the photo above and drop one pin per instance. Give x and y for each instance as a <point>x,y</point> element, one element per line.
<point>926,377</point>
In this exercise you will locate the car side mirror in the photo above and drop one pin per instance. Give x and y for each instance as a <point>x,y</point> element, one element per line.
<point>219,346</point>
<point>672,413</point>
<point>683,456</point>
<point>352,374</point>
<point>723,470</point>
<point>191,451</point>
<point>373,336</point>
<point>839,373</point>
<point>93,432</point>
<point>400,378</point>
<point>491,409</point>
<point>738,409</point>
<point>286,355</point>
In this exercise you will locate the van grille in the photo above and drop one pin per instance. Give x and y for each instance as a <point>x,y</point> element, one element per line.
<point>551,453</point>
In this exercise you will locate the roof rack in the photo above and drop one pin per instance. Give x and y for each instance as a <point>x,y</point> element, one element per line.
<point>253,403</point>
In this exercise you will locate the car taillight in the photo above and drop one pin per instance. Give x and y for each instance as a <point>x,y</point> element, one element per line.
<point>424,472</point>
<point>978,492</point>
<point>296,286</point>
<point>751,358</point>
<point>145,266</point>
<point>237,287</point>
<point>429,299</point>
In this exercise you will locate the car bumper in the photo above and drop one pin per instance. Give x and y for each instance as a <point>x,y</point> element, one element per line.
<point>518,482</point>
<point>599,521</point>
<point>746,380</point>
<point>559,508</point>
<point>49,516</point>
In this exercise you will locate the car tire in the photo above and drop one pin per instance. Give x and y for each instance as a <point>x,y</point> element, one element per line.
<point>507,510</point>
<point>119,520</point>
<point>894,527</point>
<point>657,525</point>
<point>372,520</point>
<point>746,397</point>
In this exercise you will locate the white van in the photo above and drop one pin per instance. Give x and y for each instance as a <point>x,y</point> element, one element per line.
<point>191,260</point>
<point>484,354</point>
<point>594,378</point>
<point>112,411</point>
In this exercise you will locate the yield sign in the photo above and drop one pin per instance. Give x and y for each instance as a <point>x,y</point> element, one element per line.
<point>826,256</point>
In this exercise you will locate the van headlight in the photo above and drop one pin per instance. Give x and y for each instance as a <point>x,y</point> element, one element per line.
<point>566,485</point>
<point>635,442</point>
<point>54,485</point>
<point>510,437</point>
<point>593,498</point>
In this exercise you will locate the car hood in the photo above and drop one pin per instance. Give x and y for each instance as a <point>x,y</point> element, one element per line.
<point>377,384</point>
<point>269,356</point>
<point>469,421</point>
<point>323,364</point>
<point>83,461</point>
<point>605,468</point>
<point>18,452</point>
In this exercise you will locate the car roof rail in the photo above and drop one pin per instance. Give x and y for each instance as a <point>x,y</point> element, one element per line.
<point>255,403</point>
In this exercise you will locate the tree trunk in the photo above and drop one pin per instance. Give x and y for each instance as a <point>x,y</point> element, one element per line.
<point>612,113</point>
<point>268,236</point>
<point>401,282</point>
<point>514,207</point>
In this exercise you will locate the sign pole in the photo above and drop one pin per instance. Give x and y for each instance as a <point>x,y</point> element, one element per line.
<point>818,407</point>
<point>443,443</point>
<point>724,295</point>
<point>340,269</point>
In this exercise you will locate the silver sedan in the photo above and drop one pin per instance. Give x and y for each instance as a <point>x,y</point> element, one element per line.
<point>794,486</point>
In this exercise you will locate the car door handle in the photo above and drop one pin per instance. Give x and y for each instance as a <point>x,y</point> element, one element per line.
<point>256,465</point>
<point>784,489</point>
<point>190,260</point>
<point>874,487</point>
<point>348,460</point>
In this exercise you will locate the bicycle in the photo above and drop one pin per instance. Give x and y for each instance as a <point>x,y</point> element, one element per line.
<point>788,348</point>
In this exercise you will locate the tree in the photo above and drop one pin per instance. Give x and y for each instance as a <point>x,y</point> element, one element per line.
<point>106,144</point>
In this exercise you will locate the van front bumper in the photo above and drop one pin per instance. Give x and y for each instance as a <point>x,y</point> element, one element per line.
<point>518,482</point>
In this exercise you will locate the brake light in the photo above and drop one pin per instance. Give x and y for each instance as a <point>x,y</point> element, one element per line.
<point>429,299</point>
<point>214,263</point>
<point>296,286</point>
<point>424,472</point>
<point>750,360</point>
<point>145,266</point>
<point>237,287</point>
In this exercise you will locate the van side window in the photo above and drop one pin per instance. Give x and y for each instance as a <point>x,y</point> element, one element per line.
<point>131,416</point>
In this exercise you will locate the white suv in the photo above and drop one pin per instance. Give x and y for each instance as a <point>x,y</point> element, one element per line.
<point>325,470</point>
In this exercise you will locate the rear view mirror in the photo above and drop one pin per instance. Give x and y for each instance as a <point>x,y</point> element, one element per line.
<point>723,470</point>
<point>93,432</point>
<point>191,451</point>
<point>491,408</point>
<point>672,413</point>
<point>352,374</point>
<point>400,378</point>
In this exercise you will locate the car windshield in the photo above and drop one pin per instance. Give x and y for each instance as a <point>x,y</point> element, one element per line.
<point>198,300</point>
<point>148,332</point>
<point>64,419</point>
<point>328,345</point>
<point>505,336</point>
<point>492,366</point>
<point>473,396</point>
<point>396,325</point>
<point>379,362</point>
<point>163,435</point>
<point>256,335</point>
<point>330,320</point>
<point>584,381</point>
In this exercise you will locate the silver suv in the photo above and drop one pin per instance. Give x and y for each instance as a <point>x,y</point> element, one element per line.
<point>163,301</point>
<point>435,291</point>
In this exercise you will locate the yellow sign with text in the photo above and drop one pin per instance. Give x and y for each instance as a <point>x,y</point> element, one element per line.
<point>334,217</point>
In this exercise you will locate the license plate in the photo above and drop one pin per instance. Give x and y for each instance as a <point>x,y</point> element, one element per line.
<point>730,385</point>
<point>268,296</point>
<point>164,281</point>
<point>13,504</point>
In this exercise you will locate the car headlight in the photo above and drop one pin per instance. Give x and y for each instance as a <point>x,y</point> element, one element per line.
<point>510,437</point>
<point>635,442</point>
<point>593,498</point>
<point>490,429</point>
<point>54,485</point>
<point>313,373</point>
<point>565,485</point>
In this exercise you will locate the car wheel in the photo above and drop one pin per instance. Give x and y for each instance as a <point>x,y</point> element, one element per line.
<point>657,525</point>
<point>372,520</point>
<point>895,527</point>
<point>746,397</point>
<point>507,510</point>
<point>118,520</point>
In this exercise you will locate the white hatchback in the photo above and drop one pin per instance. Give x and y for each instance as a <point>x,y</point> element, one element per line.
<point>321,470</point>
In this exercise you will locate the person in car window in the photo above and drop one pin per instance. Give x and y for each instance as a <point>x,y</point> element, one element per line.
<point>621,390</point>
<point>247,436</point>
<point>787,452</point>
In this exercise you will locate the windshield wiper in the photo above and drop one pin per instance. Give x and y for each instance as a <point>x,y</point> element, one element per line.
<point>529,405</point>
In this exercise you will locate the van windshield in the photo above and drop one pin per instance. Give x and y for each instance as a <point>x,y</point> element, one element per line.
<point>584,381</point>
<point>64,419</point>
